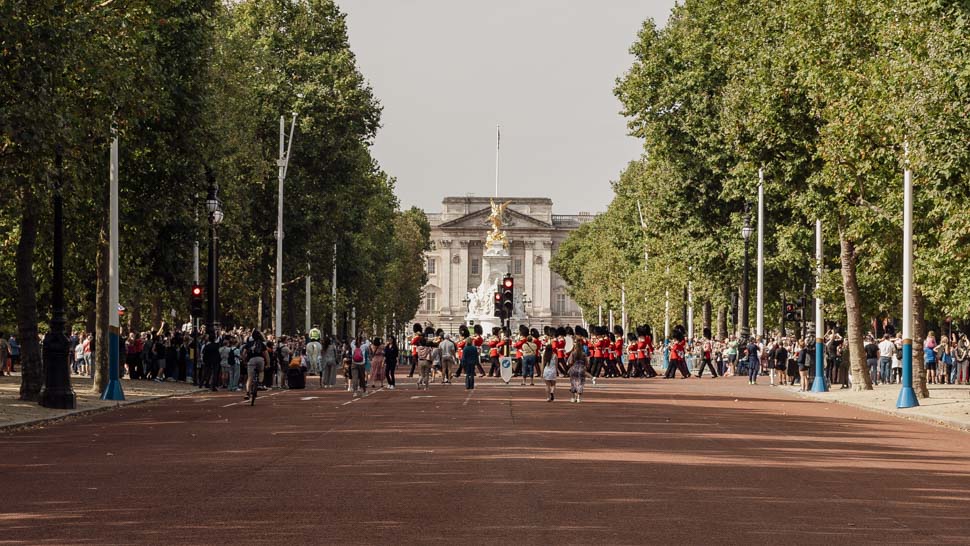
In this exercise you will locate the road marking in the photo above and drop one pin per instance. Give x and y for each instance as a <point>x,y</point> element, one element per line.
<point>467,398</point>
<point>351,401</point>
<point>309,398</point>
<point>246,401</point>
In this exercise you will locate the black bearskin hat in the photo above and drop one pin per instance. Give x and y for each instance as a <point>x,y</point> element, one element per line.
<point>477,329</point>
<point>523,330</point>
<point>549,331</point>
<point>534,333</point>
<point>417,328</point>
<point>612,336</point>
<point>463,331</point>
<point>496,330</point>
<point>580,331</point>
<point>631,337</point>
<point>679,333</point>
<point>641,330</point>
<point>560,331</point>
<point>429,331</point>
<point>618,330</point>
<point>569,330</point>
<point>439,333</point>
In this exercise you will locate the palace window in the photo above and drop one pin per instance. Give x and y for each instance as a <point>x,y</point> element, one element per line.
<point>517,266</point>
<point>431,302</point>
<point>476,266</point>
<point>431,266</point>
<point>560,308</point>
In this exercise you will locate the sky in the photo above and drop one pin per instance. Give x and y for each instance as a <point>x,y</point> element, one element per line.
<point>448,71</point>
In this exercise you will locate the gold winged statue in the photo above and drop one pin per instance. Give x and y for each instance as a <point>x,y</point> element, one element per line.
<point>497,235</point>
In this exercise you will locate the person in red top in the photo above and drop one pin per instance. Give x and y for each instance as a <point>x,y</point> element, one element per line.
<point>617,350</point>
<point>416,341</point>
<point>633,356</point>
<point>645,350</point>
<point>678,354</point>
<point>494,342</point>
<point>517,345</point>
<point>707,352</point>
<point>478,341</point>
<point>463,334</point>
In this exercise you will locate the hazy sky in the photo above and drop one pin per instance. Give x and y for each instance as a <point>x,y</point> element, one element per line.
<point>448,71</point>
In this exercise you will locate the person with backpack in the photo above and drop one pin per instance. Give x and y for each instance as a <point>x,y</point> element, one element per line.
<point>425,354</point>
<point>357,369</point>
<point>446,351</point>
<point>255,354</point>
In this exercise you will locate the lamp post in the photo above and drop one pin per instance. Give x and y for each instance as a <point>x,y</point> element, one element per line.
<point>57,391</point>
<point>214,207</point>
<point>746,233</point>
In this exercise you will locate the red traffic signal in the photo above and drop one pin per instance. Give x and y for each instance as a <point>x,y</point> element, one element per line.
<point>195,300</point>
<point>498,297</point>
<point>508,283</point>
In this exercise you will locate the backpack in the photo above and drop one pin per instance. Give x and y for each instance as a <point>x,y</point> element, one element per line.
<point>358,355</point>
<point>257,349</point>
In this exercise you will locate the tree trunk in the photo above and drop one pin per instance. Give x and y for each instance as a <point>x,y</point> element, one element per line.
<point>156,313</point>
<point>103,313</point>
<point>32,366</point>
<point>707,318</point>
<point>919,331</point>
<point>853,307</point>
<point>722,328</point>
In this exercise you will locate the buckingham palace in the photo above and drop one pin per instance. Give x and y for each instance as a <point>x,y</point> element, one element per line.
<point>454,263</point>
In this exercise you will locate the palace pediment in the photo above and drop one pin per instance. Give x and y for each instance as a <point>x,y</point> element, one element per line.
<point>512,219</point>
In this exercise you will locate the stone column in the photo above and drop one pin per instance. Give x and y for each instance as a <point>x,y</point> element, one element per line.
<point>461,283</point>
<point>528,266</point>
<point>444,277</point>
<point>544,290</point>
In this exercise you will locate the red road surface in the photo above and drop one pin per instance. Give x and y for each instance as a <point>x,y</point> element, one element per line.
<point>638,462</point>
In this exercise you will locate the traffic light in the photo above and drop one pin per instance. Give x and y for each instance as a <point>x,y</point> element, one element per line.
<point>498,304</point>
<point>195,298</point>
<point>508,292</point>
<point>791,313</point>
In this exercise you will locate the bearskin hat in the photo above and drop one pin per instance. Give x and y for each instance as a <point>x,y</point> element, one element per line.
<point>534,333</point>
<point>477,329</point>
<point>496,330</point>
<point>523,330</point>
<point>641,331</point>
<point>417,328</point>
<point>612,336</point>
<point>439,333</point>
<point>631,337</point>
<point>560,331</point>
<point>569,331</point>
<point>580,331</point>
<point>618,330</point>
<point>463,331</point>
<point>679,333</point>
<point>549,331</point>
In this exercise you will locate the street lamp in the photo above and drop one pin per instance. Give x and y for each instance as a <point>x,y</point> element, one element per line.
<point>746,233</point>
<point>57,391</point>
<point>214,207</point>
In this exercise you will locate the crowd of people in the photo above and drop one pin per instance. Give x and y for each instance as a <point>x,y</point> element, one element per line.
<point>234,356</point>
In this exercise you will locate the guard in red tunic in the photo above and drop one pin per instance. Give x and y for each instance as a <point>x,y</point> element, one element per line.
<point>617,350</point>
<point>645,350</point>
<point>633,356</point>
<point>416,341</point>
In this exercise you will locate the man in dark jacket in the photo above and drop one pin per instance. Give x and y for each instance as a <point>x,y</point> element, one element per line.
<point>212,360</point>
<point>469,360</point>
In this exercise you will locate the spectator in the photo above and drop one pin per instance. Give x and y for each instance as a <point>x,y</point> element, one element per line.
<point>14,353</point>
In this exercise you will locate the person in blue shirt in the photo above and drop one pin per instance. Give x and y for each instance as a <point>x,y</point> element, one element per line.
<point>14,353</point>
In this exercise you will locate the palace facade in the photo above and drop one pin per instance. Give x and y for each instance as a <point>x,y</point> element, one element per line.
<point>454,264</point>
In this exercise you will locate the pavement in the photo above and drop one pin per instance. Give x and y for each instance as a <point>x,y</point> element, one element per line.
<point>16,413</point>
<point>637,462</point>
